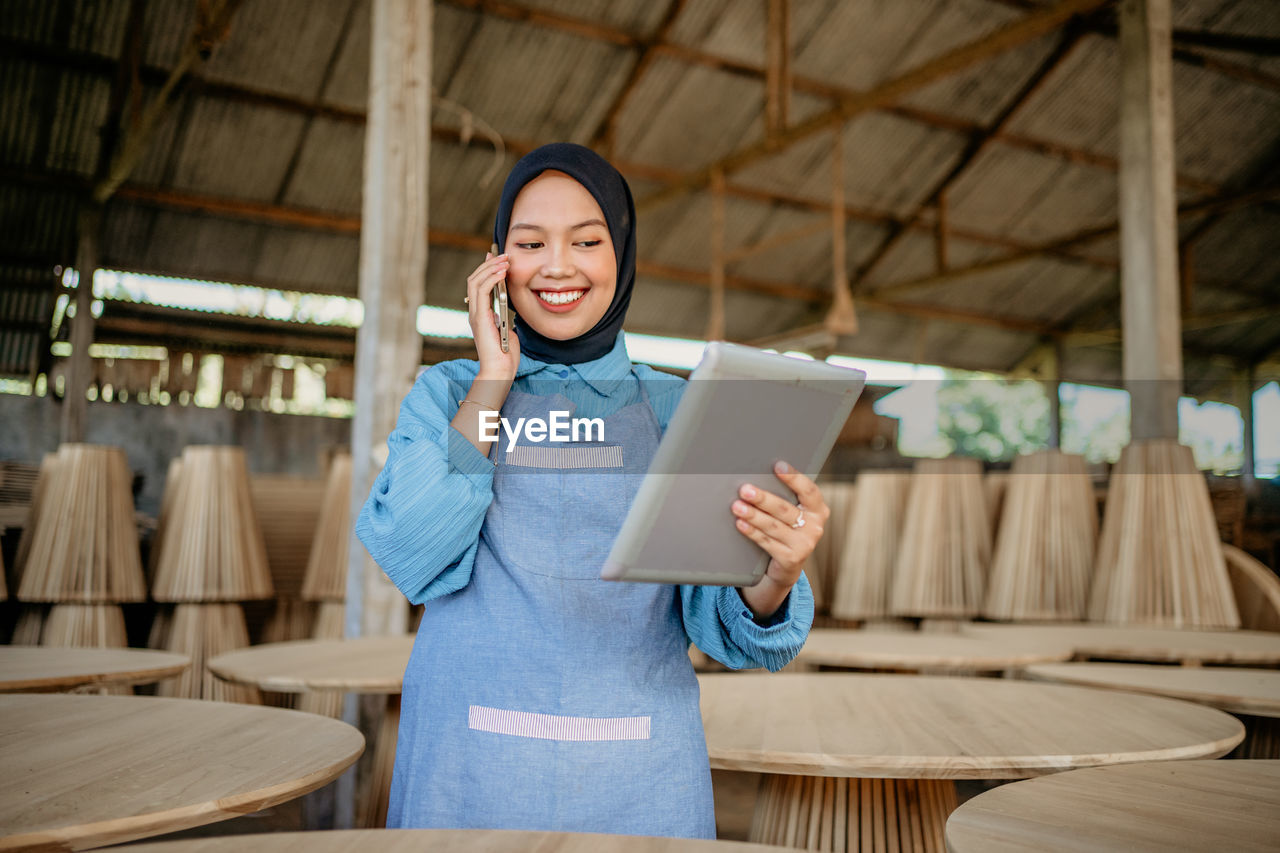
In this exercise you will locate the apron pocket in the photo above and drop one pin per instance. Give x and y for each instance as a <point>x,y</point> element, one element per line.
<point>555,727</point>
<point>562,458</point>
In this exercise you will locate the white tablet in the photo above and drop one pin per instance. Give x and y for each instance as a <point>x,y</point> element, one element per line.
<point>743,411</point>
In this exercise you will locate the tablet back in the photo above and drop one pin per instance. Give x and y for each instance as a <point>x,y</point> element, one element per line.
<point>742,411</point>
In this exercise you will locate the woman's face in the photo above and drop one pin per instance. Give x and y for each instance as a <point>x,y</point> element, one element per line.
<point>563,271</point>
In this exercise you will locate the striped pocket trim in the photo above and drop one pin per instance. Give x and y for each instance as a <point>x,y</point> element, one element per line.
<point>532,456</point>
<point>553,727</point>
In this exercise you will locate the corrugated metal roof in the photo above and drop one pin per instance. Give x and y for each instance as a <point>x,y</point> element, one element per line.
<point>535,83</point>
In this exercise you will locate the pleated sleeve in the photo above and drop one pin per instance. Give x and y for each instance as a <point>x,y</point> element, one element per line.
<point>421,522</point>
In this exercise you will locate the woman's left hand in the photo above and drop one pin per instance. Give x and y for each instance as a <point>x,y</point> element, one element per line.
<point>786,531</point>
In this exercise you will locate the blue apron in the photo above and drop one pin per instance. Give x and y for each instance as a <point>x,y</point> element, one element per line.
<point>539,696</point>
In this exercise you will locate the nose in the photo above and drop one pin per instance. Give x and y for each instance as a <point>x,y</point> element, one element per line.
<point>559,262</point>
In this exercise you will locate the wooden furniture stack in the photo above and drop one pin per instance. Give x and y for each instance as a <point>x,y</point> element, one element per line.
<point>288,509</point>
<point>996,485</point>
<point>870,550</point>
<point>823,566</point>
<point>31,617</point>
<point>82,552</point>
<point>325,581</point>
<point>210,555</point>
<point>1159,558</point>
<point>941,569</point>
<point>1045,546</point>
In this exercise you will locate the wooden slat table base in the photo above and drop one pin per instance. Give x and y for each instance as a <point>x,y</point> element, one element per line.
<point>833,814</point>
<point>1261,739</point>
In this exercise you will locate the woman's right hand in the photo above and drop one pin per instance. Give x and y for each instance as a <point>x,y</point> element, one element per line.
<point>495,365</point>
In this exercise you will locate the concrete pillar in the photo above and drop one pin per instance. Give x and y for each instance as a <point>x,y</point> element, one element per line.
<point>393,261</point>
<point>1148,221</point>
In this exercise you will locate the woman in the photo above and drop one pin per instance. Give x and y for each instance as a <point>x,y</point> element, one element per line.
<point>537,695</point>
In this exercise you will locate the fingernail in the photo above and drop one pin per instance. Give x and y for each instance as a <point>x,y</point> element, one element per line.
<point>782,468</point>
<point>743,526</point>
<point>749,492</point>
<point>739,507</point>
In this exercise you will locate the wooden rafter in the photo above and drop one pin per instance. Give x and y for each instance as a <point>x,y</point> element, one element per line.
<point>238,93</point>
<point>978,143</point>
<point>1030,27</point>
<point>777,66</point>
<point>606,131</point>
<point>1088,235</point>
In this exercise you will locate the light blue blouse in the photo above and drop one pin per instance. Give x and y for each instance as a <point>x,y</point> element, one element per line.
<point>422,520</point>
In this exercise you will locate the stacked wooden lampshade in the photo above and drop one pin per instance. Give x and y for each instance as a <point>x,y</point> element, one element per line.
<point>325,582</point>
<point>822,567</point>
<point>31,617</point>
<point>1159,559</point>
<point>82,552</point>
<point>326,579</point>
<point>870,550</point>
<point>288,511</point>
<point>941,569</point>
<point>1045,546</point>
<point>210,556</point>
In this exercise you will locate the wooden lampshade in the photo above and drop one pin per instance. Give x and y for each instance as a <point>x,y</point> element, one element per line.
<point>871,547</point>
<point>1159,559</point>
<point>85,625</point>
<point>1045,546</point>
<point>942,563</point>
<point>47,466</point>
<point>203,631</point>
<point>820,568</point>
<point>210,544</point>
<point>326,577</point>
<point>84,541</point>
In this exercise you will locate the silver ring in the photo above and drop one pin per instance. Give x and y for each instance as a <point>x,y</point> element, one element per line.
<point>799,519</point>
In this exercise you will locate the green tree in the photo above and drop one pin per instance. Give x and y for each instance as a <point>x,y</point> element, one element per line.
<point>992,419</point>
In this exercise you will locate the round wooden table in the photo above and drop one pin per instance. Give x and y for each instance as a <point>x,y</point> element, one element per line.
<point>1154,645</point>
<point>868,759</point>
<point>1251,694</point>
<point>444,841</point>
<point>43,669</point>
<point>84,771</point>
<point>318,667</point>
<point>1180,805</point>
<point>920,652</point>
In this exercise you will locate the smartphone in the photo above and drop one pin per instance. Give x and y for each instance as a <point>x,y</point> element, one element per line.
<point>500,308</point>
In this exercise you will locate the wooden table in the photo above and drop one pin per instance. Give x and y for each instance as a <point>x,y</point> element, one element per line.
<point>921,652</point>
<point>42,669</point>
<point>1177,806</point>
<point>1154,645</point>
<point>902,738</point>
<point>83,771</point>
<point>1252,694</point>
<point>359,665</point>
<point>445,841</point>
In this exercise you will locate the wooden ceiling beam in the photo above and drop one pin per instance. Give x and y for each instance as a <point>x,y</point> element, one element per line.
<point>606,132</point>
<point>1088,235</point>
<point>155,76</point>
<point>1186,44</point>
<point>978,143</point>
<point>966,56</point>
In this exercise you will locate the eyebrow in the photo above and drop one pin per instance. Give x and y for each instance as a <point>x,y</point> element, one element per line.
<point>532,227</point>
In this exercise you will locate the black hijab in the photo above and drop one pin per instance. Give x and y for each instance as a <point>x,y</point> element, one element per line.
<point>611,192</point>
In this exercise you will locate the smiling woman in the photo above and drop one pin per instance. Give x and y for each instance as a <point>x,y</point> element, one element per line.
<point>571,700</point>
